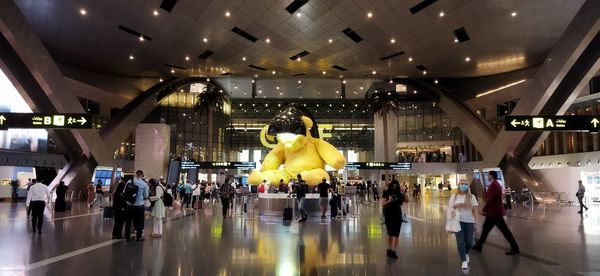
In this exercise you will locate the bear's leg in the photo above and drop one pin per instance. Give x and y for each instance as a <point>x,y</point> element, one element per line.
<point>315,176</point>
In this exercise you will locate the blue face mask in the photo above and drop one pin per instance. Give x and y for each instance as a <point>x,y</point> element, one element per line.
<point>463,188</point>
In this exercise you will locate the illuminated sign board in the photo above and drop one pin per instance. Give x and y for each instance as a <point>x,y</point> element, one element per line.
<point>379,166</point>
<point>186,165</point>
<point>45,120</point>
<point>543,123</point>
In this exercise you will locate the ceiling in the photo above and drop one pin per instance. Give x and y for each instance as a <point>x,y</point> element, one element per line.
<point>499,42</point>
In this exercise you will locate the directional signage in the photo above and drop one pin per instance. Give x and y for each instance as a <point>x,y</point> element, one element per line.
<point>186,165</point>
<point>379,166</point>
<point>543,123</point>
<point>45,121</point>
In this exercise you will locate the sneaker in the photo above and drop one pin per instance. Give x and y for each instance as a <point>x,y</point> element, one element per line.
<point>389,253</point>
<point>465,265</point>
<point>393,254</point>
<point>467,258</point>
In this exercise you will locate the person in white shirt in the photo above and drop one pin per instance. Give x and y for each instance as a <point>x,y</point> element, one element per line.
<point>465,204</point>
<point>196,192</point>
<point>37,197</point>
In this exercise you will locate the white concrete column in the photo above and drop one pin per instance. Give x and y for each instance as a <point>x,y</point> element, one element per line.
<point>152,146</point>
<point>392,127</point>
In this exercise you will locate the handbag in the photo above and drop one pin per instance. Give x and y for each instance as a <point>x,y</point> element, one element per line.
<point>403,216</point>
<point>147,203</point>
<point>453,219</point>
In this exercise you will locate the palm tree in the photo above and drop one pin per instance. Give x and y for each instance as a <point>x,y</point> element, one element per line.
<point>383,103</point>
<point>212,99</point>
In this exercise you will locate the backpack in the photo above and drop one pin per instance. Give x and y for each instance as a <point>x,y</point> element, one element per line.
<point>130,192</point>
<point>167,198</point>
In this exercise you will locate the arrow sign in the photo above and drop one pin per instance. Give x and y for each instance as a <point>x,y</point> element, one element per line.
<point>82,121</point>
<point>595,122</point>
<point>515,123</point>
<point>10,120</point>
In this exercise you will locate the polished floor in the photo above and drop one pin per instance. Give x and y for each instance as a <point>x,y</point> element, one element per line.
<point>554,241</point>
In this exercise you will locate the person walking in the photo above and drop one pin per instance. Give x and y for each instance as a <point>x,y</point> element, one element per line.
<point>37,198</point>
<point>30,183</point>
<point>158,211</point>
<point>135,206</point>
<point>465,204</point>
<point>227,192</point>
<point>91,194</point>
<point>301,188</point>
<point>375,191</point>
<point>494,216</point>
<point>392,200</point>
<point>323,189</point>
<point>61,192</point>
<point>196,193</point>
<point>580,194</point>
<point>119,209</point>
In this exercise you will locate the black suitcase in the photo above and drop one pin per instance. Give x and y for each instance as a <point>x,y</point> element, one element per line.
<point>107,213</point>
<point>288,214</point>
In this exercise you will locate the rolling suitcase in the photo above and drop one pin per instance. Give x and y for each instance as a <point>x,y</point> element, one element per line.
<point>107,212</point>
<point>288,213</point>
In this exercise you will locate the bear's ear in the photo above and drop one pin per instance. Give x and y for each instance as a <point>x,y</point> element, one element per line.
<point>308,123</point>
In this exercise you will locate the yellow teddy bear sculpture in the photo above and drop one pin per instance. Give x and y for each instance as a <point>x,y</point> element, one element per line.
<point>299,149</point>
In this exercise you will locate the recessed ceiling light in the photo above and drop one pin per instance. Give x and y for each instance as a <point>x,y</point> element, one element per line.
<point>277,87</point>
<point>181,90</point>
<point>141,38</point>
<point>172,71</point>
<point>467,59</point>
<point>424,72</point>
<point>324,72</point>
<point>455,40</point>
<point>131,57</point>
<point>187,58</point>
<point>374,72</point>
<point>361,88</point>
<point>253,81</point>
<point>161,80</point>
<point>244,58</point>
<point>513,14</point>
<point>223,72</point>
<point>330,40</point>
<point>155,12</point>
<point>227,14</point>
<point>410,59</point>
<point>268,40</point>
<point>298,14</point>
<point>344,81</point>
<point>442,14</point>
<point>435,81</point>
<point>299,59</point>
<point>415,92</point>
<point>205,40</point>
<point>369,14</point>
<point>259,91</point>
<point>392,41</point>
<point>273,72</point>
<point>391,81</point>
<point>299,81</point>
<point>207,79</point>
<point>83,11</point>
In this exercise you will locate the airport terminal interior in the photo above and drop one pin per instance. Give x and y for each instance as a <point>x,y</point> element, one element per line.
<point>300,137</point>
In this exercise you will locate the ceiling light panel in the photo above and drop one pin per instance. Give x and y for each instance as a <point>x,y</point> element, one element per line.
<point>134,33</point>
<point>421,6</point>
<point>168,5</point>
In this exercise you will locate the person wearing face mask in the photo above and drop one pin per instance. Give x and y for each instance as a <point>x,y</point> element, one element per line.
<point>465,204</point>
<point>391,201</point>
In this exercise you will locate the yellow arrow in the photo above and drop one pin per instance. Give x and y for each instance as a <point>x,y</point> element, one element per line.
<point>2,119</point>
<point>595,122</point>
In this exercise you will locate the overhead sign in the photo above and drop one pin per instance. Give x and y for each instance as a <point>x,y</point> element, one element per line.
<point>379,166</point>
<point>45,120</point>
<point>186,165</point>
<point>543,123</point>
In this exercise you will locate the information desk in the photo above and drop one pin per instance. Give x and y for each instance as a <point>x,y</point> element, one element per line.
<point>273,205</point>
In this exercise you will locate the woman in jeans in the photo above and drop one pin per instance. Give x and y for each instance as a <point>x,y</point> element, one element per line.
<point>465,204</point>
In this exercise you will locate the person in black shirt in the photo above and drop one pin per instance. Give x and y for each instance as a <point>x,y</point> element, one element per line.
<point>119,211</point>
<point>323,190</point>
<point>61,191</point>
<point>300,189</point>
<point>392,200</point>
